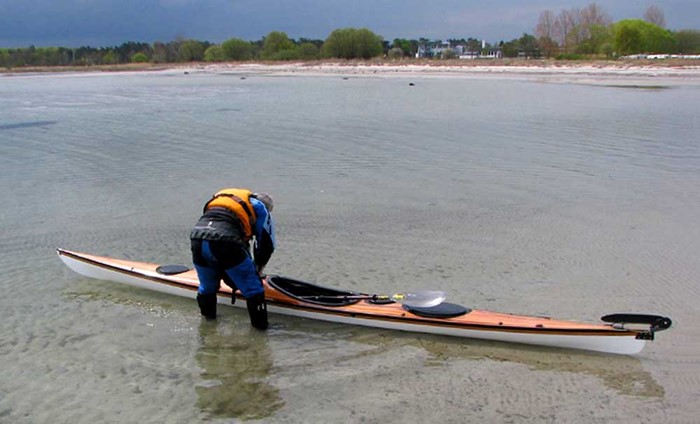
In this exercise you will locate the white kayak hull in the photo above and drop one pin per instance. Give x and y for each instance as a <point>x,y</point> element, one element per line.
<point>475,325</point>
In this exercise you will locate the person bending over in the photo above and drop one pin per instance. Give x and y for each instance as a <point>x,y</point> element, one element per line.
<point>221,250</point>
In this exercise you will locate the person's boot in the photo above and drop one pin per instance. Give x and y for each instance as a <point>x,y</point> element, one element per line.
<point>207,305</point>
<point>257,310</point>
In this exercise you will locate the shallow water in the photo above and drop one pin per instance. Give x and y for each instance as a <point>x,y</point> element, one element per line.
<point>534,197</point>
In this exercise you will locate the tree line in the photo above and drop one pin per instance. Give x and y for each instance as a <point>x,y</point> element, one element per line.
<point>572,33</point>
<point>347,43</point>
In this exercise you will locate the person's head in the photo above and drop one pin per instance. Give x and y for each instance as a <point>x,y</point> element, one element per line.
<point>266,199</point>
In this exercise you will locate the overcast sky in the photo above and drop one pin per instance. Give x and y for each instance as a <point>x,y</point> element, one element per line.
<point>102,23</point>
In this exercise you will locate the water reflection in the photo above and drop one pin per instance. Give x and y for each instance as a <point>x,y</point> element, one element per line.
<point>624,374</point>
<point>236,362</point>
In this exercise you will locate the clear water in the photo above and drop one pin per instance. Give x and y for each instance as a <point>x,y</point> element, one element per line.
<point>531,197</point>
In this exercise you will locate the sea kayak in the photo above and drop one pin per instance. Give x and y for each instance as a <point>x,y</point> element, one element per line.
<point>618,334</point>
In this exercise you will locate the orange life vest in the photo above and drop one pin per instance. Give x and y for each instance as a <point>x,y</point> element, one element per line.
<point>237,200</point>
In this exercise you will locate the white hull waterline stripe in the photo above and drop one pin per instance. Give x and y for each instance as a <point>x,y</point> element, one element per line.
<point>601,343</point>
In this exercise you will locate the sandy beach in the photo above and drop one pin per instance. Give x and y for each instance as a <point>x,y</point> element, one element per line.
<point>690,68</point>
<point>646,74</point>
<point>683,71</point>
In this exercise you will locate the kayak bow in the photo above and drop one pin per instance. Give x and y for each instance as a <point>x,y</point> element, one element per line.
<point>287,296</point>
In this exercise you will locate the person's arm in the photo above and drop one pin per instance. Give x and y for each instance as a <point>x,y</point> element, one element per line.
<point>264,235</point>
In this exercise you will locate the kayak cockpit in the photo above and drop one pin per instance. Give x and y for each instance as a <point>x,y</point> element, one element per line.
<point>311,293</point>
<point>443,310</point>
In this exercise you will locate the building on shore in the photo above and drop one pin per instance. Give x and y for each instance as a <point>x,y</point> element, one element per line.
<point>455,49</point>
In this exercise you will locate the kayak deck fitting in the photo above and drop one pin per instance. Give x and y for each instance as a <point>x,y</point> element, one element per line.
<point>288,296</point>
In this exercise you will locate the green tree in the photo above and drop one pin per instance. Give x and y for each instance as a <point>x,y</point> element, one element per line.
<point>607,49</point>
<point>139,58</point>
<point>4,58</point>
<point>628,40</point>
<point>510,48</point>
<point>660,40</point>
<point>166,52</point>
<point>395,53</point>
<point>339,44</point>
<point>637,36</point>
<point>317,43</point>
<point>308,51</point>
<point>257,47</point>
<point>599,35</point>
<point>110,58</point>
<point>405,45</point>
<point>16,57</point>
<point>191,51</point>
<point>367,44</point>
<point>688,41</point>
<point>351,43</point>
<point>237,49</point>
<point>160,53</point>
<point>414,48</point>
<point>275,43</point>
<point>125,51</point>
<point>214,54</point>
<point>287,54</point>
<point>529,46</point>
<point>173,50</point>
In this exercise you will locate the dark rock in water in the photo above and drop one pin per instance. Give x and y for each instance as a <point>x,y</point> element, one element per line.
<point>411,84</point>
<point>187,73</point>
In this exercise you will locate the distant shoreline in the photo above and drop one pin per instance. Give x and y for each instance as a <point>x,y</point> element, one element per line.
<point>674,70</point>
